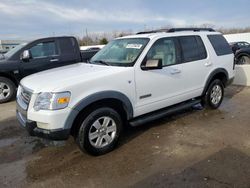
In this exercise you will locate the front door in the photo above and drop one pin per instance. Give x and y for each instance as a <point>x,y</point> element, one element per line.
<point>159,88</point>
<point>43,55</point>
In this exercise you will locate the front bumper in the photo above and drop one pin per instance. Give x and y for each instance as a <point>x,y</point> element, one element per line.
<point>34,130</point>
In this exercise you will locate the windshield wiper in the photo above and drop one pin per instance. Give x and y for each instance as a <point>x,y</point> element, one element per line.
<point>100,62</point>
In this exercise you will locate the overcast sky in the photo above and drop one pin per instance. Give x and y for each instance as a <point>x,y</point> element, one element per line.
<point>24,19</point>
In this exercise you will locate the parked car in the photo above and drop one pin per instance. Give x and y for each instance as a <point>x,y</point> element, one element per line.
<point>242,52</point>
<point>39,55</point>
<point>239,45</point>
<point>133,79</point>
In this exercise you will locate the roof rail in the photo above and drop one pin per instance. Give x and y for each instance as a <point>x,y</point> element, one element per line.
<point>190,29</point>
<point>176,30</point>
<point>152,31</point>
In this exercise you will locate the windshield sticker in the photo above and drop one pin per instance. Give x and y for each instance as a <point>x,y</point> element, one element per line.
<point>135,46</point>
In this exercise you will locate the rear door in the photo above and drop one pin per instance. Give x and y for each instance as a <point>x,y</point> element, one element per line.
<point>42,55</point>
<point>195,65</point>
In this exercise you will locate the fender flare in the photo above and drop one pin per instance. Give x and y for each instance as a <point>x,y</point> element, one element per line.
<point>211,76</point>
<point>127,105</point>
<point>242,54</point>
<point>11,76</point>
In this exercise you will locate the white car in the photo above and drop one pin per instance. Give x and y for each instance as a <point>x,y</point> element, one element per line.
<point>133,79</point>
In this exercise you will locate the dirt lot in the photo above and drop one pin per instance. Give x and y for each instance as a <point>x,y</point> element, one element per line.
<point>195,148</point>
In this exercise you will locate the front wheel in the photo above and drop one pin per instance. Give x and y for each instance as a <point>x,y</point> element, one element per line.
<point>99,131</point>
<point>7,90</point>
<point>214,95</point>
<point>243,60</point>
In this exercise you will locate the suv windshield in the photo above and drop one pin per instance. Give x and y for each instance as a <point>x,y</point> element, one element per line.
<point>121,52</point>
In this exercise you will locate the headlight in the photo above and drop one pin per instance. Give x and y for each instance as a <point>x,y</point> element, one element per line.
<point>52,101</point>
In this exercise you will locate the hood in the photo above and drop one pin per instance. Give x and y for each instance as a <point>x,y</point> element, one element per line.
<point>3,60</point>
<point>243,50</point>
<point>2,57</point>
<point>54,79</point>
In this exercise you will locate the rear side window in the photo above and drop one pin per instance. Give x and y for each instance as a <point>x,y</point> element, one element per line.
<point>67,46</point>
<point>193,48</point>
<point>220,45</point>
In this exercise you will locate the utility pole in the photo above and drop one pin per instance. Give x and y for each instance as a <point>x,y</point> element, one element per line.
<point>87,38</point>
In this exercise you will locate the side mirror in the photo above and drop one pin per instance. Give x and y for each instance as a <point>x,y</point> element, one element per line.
<point>152,64</point>
<point>26,56</point>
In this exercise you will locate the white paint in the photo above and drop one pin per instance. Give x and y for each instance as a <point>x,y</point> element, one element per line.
<point>165,87</point>
<point>238,37</point>
<point>93,46</point>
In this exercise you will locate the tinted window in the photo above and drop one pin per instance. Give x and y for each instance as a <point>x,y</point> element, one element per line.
<point>67,46</point>
<point>192,48</point>
<point>220,44</point>
<point>165,50</point>
<point>44,49</point>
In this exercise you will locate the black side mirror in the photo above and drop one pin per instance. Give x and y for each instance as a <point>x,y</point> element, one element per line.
<point>152,64</point>
<point>26,56</point>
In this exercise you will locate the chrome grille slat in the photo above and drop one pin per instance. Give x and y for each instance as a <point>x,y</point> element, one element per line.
<point>24,98</point>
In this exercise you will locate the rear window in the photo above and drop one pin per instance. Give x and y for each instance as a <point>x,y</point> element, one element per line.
<point>192,48</point>
<point>220,45</point>
<point>67,46</point>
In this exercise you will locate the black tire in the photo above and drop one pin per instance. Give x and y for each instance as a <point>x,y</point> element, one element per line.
<point>5,84</point>
<point>244,60</point>
<point>209,99</point>
<point>87,125</point>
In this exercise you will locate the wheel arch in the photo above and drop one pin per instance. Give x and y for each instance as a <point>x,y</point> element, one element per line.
<point>113,99</point>
<point>219,73</point>
<point>237,56</point>
<point>10,77</point>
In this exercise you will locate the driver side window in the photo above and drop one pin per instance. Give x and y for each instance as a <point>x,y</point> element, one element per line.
<point>43,49</point>
<point>165,50</point>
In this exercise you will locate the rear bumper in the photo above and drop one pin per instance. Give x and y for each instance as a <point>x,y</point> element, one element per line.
<point>31,127</point>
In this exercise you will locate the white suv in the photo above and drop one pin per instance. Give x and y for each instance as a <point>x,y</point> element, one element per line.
<point>133,79</point>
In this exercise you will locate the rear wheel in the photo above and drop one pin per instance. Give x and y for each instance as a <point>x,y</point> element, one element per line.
<point>214,95</point>
<point>7,90</point>
<point>100,131</point>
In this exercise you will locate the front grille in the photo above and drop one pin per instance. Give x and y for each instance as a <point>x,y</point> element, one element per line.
<point>25,96</point>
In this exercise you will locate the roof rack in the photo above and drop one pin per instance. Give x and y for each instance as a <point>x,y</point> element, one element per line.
<point>153,31</point>
<point>172,30</point>
<point>190,29</point>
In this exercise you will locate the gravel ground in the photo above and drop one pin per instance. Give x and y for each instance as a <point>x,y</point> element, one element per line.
<point>195,148</point>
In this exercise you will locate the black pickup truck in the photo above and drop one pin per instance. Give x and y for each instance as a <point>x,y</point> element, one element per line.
<point>36,56</point>
<point>242,52</point>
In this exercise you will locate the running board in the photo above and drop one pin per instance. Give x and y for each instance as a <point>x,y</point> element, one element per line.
<point>163,112</point>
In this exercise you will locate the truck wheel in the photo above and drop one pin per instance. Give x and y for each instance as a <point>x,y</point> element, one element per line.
<point>99,131</point>
<point>7,90</point>
<point>214,95</point>
<point>243,60</point>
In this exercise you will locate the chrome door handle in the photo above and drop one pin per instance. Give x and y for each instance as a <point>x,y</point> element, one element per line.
<point>54,60</point>
<point>208,64</point>
<point>175,71</point>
